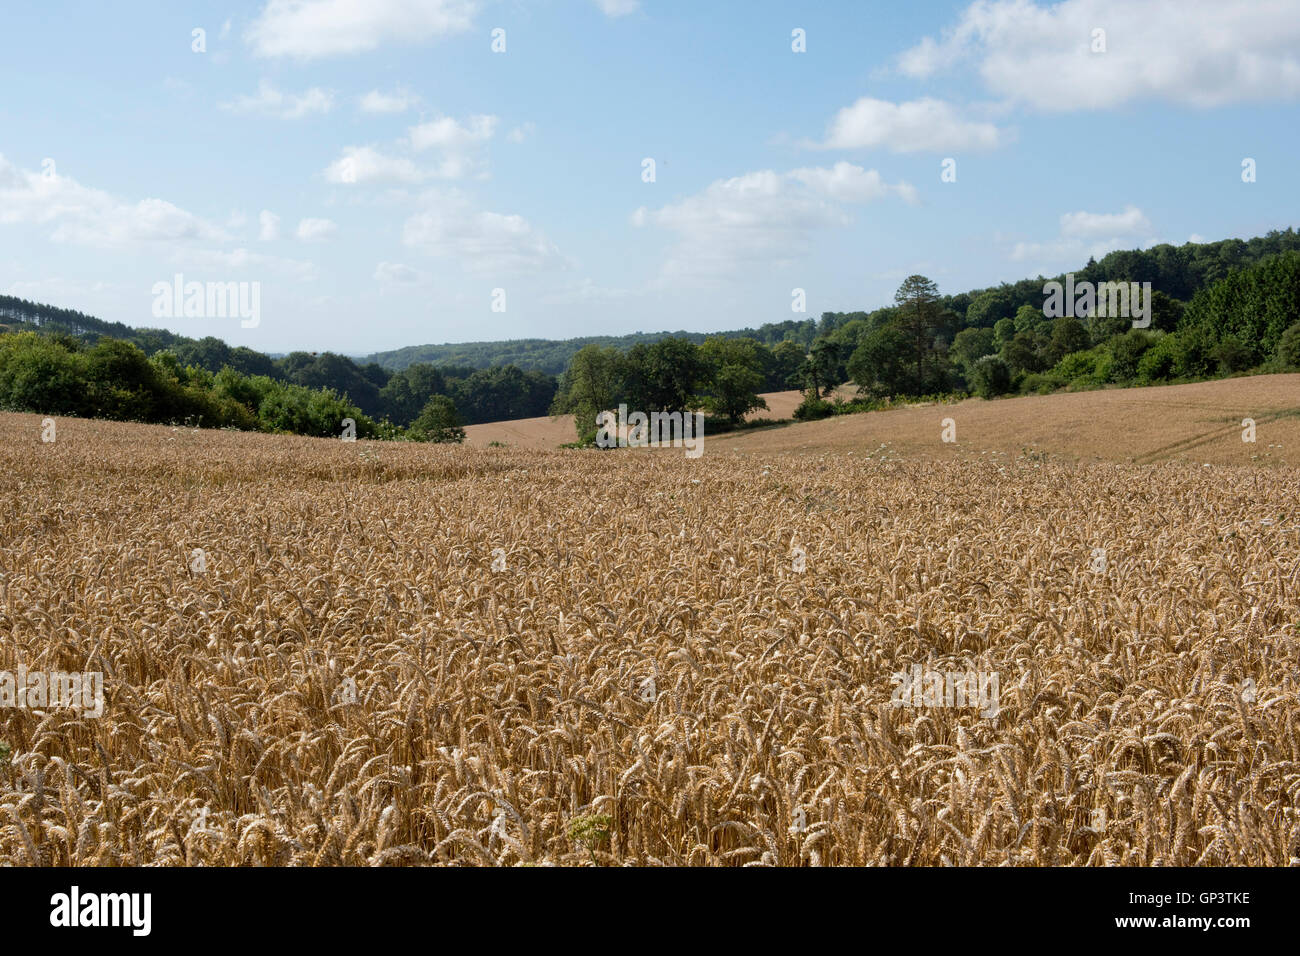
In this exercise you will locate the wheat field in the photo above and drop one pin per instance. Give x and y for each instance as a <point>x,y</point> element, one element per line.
<point>318,652</point>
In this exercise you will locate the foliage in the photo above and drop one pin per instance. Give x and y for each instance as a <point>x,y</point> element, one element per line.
<point>990,377</point>
<point>438,422</point>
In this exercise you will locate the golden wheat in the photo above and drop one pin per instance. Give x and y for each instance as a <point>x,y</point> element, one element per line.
<point>402,654</point>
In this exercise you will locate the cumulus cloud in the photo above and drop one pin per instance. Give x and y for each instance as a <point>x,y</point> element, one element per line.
<point>317,28</point>
<point>315,230</point>
<point>586,292</point>
<point>456,150</point>
<point>457,145</point>
<point>915,126</point>
<point>364,164</point>
<point>483,242</point>
<point>762,218</point>
<point>1089,234</point>
<point>87,216</point>
<point>618,8</point>
<point>447,133</point>
<point>845,182</point>
<point>398,101</point>
<point>1091,225</point>
<point>243,262</point>
<point>268,101</point>
<point>1199,53</point>
<point>268,226</point>
<point>395,272</point>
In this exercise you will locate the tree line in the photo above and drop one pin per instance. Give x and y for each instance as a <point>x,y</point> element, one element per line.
<point>1242,315</point>
<point>1218,309</point>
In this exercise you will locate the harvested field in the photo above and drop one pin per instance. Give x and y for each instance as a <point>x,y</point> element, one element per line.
<point>395,654</point>
<point>554,432</point>
<point>1199,423</point>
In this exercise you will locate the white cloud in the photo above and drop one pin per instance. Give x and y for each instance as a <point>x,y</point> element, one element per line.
<point>269,101</point>
<point>586,292</point>
<point>458,144</point>
<point>845,182</point>
<point>448,134</point>
<point>268,226</point>
<point>1200,53</point>
<point>618,8</point>
<point>919,125</point>
<point>59,289</point>
<point>313,230</point>
<point>395,272</point>
<point>242,261</point>
<point>762,218</point>
<point>1088,234</point>
<point>87,216</point>
<point>316,28</point>
<point>1093,225</point>
<point>457,147</point>
<point>398,101</point>
<point>1067,252</point>
<point>484,242</point>
<point>364,164</point>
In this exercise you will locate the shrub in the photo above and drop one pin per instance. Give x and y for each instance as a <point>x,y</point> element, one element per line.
<point>1288,347</point>
<point>1082,370</point>
<point>1158,362</point>
<point>1231,355</point>
<point>813,407</point>
<point>1041,383</point>
<point>1126,353</point>
<point>990,377</point>
<point>438,422</point>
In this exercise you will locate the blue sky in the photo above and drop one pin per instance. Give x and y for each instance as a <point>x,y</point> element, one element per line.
<point>379,170</point>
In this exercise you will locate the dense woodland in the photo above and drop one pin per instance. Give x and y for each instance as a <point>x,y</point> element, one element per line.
<point>1219,308</point>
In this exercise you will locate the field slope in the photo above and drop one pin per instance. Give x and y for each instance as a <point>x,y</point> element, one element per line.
<point>1201,422</point>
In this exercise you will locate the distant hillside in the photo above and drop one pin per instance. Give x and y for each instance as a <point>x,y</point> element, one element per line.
<point>552,355</point>
<point>1177,272</point>
<point>1217,308</point>
<point>18,315</point>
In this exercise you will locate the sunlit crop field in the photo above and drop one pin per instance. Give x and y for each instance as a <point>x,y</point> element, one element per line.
<point>319,652</point>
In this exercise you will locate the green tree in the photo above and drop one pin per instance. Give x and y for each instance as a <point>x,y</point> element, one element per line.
<point>787,357</point>
<point>918,319</point>
<point>990,377</point>
<point>1128,350</point>
<point>1288,346</point>
<point>1028,319</point>
<point>664,376</point>
<point>736,369</point>
<point>879,364</point>
<point>969,346</point>
<point>734,392</point>
<point>1068,335</point>
<point>592,383</point>
<point>1021,353</point>
<point>438,422</point>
